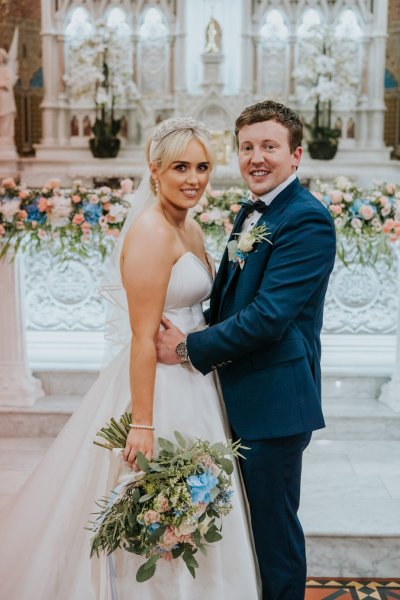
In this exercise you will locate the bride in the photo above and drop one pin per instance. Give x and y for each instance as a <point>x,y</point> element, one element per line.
<point>164,270</point>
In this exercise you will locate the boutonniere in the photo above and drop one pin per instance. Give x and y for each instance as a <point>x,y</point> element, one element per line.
<point>238,250</point>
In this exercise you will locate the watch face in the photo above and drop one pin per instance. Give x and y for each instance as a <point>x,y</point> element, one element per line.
<point>181,350</point>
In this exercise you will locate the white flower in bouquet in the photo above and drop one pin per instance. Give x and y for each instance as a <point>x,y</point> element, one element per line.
<point>9,209</point>
<point>246,242</point>
<point>60,211</point>
<point>118,213</point>
<point>343,183</point>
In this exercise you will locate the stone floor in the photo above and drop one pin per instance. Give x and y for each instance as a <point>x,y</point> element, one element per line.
<point>351,479</point>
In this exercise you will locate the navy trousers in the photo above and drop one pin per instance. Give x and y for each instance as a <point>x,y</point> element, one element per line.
<point>272,477</point>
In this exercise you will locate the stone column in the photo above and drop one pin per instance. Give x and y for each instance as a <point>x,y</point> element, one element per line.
<point>390,393</point>
<point>51,76</point>
<point>247,49</point>
<point>179,52</point>
<point>377,62</point>
<point>17,385</point>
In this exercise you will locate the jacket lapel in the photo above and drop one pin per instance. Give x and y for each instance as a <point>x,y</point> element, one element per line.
<point>279,203</point>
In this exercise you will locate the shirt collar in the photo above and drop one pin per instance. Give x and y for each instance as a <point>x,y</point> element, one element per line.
<point>269,196</point>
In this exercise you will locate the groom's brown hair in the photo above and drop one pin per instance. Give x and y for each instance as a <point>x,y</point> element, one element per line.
<point>270,110</point>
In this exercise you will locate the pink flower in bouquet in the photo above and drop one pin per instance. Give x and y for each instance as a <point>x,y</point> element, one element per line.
<point>22,215</point>
<point>9,209</point>
<point>105,189</point>
<point>335,209</point>
<point>2,230</point>
<point>203,201</point>
<point>204,218</point>
<point>366,211</point>
<point>356,223</point>
<point>53,184</point>
<point>114,233</point>
<point>126,186</point>
<point>151,516</point>
<point>34,224</point>
<point>215,194</point>
<point>162,503</point>
<point>94,199</point>
<point>336,196</point>
<point>383,200</point>
<point>42,204</point>
<point>76,199</point>
<point>19,225</point>
<point>235,208</point>
<point>86,227</point>
<point>169,539</point>
<point>103,221</point>
<point>42,235</point>
<point>390,189</point>
<point>388,225</point>
<point>78,219</point>
<point>107,205</point>
<point>386,210</point>
<point>348,197</point>
<point>228,227</point>
<point>187,539</point>
<point>318,195</point>
<point>23,194</point>
<point>8,183</point>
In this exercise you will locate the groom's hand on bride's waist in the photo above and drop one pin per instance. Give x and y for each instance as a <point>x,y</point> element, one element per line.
<point>167,342</point>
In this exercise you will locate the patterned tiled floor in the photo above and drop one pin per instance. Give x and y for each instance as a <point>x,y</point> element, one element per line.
<point>350,589</point>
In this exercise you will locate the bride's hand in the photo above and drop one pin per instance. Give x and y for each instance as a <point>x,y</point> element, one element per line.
<point>138,440</point>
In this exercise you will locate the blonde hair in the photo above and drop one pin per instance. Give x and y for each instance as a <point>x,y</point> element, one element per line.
<point>172,146</point>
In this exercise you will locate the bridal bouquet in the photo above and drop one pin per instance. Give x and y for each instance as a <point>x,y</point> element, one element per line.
<point>173,508</point>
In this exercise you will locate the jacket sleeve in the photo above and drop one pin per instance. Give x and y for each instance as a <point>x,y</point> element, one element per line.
<point>302,257</point>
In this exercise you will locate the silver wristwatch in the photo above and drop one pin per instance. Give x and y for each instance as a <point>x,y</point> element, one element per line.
<point>182,351</point>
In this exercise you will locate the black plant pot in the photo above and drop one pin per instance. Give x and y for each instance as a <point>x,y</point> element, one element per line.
<point>105,147</point>
<point>322,149</point>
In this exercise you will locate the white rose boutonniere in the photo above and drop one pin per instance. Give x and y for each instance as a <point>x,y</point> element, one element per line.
<point>238,250</point>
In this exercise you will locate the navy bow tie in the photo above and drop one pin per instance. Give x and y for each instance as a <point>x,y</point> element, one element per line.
<point>249,207</point>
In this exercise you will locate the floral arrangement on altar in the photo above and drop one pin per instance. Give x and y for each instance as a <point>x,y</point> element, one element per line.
<point>368,218</point>
<point>171,509</point>
<point>66,221</point>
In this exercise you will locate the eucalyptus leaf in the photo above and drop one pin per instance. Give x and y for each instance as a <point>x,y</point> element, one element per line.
<point>142,462</point>
<point>144,574</point>
<point>227,465</point>
<point>180,439</point>
<point>166,445</point>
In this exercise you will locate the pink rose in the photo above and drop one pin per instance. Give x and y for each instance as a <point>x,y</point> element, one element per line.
<point>42,204</point>
<point>53,184</point>
<point>151,516</point>
<point>2,230</point>
<point>127,186</point>
<point>385,211</point>
<point>335,209</point>
<point>8,183</point>
<point>383,200</point>
<point>390,189</point>
<point>204,218</point>
<point>23,194</point>
<point>356,223</point>
<point>366,211</point>
<point>107,205</point>
<point>76,199</point>
<point>162,503</point>
<point>169,538</point>
<point>336,196</point>
<point>22,215</point>
<point>78,219</point>
<point>235,208</point>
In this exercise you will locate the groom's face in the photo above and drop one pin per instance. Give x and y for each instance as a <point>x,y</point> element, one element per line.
<point>265,159</point>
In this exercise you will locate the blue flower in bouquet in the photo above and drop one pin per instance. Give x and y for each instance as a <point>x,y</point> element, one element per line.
<point>201,485</point>
<point>34,213</point>
<point>225,496</point>
<point>153,527</point>
<point>92,213</point>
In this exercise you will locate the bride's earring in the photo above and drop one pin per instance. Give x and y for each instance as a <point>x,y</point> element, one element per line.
<point>156,186</point>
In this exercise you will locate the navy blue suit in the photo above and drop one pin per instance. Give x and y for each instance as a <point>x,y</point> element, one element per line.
<point>264,339</point>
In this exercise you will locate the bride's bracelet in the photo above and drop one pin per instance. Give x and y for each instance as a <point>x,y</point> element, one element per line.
<point>133,426</point>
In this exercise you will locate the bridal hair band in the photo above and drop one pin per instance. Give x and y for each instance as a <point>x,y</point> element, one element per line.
<point>171,125</point>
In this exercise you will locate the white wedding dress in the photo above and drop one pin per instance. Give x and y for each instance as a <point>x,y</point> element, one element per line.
<point>45,548</point>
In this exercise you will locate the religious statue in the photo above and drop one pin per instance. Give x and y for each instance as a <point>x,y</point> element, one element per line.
<point>8,107</point>
<point>213,37</point>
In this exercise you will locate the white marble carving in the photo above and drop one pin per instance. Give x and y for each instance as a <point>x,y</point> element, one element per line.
<point>63,295</point>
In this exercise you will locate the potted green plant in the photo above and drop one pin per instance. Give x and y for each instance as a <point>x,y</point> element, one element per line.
<point>325,77</point>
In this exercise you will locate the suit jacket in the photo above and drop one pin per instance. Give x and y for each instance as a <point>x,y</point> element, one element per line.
<point>266,319</point>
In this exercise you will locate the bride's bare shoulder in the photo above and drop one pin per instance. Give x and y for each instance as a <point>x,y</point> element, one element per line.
<point>150,226</point>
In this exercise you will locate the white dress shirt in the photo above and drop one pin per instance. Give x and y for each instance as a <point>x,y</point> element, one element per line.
<point>252,219</point>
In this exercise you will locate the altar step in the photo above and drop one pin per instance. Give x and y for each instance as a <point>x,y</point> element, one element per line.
<point>350,404</point>
<point>350,506</point>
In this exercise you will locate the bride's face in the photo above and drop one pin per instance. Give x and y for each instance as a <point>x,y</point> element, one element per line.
<point>185,180</point>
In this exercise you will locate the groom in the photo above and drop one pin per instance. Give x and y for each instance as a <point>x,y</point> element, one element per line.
<point>264,337</point>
